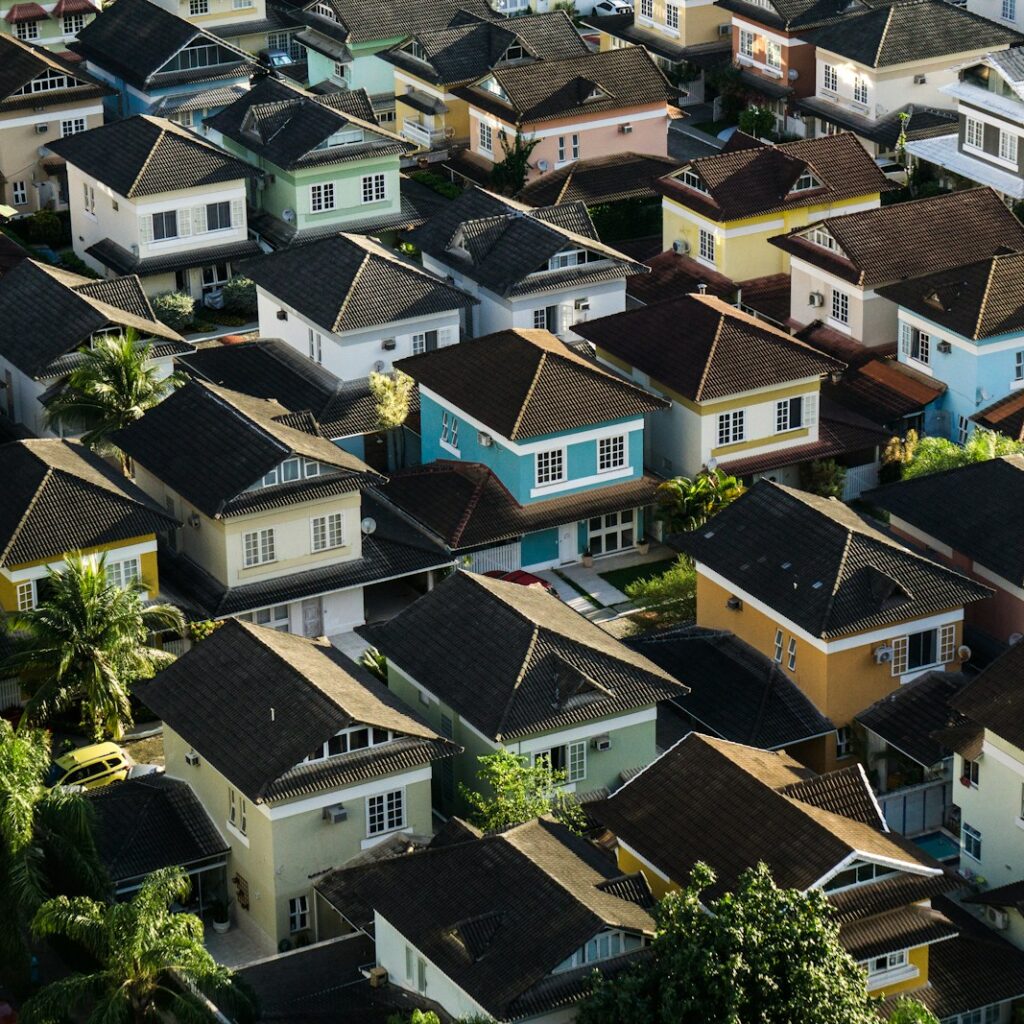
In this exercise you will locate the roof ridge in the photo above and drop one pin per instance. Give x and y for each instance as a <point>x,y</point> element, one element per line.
<point>529,394</point>
<point>522,670</point>
<point>149,156</point>
<point>28,509</point>
<point>992,263</point>
<point>885,32</point>
<point>830,604</point>
<point>710,357</point>
<point>363,263</point>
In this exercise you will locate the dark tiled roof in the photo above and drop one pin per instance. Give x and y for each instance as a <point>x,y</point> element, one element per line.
<point>361,284</point>
<point>845,792</point>
<point>523,662</point>
<point>800,13</point>
<point>995,699</point>
<point>21,62</point>
<point>883,390</point>
<point>817,563</point>
<point>285,696</point>
<point>759,179</point>
<point>124,261</point>
<point>1006,416</point>
<point>605,179</point>
<point>151,822</point>
<point>59,497</point>
<point>11,253</point>
<point>1009,895</point>
<point>735,691</point>
<point>49,313</point>
<point>526,383</point>
<point>889,893</point>
<point>920,122</point>
<point>972,509</point>
<point>902,928</point>
<point>672,275</point>
<point>704,349</point>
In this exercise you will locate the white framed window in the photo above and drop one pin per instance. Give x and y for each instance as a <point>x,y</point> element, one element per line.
<point>858,873</point>
<point>844,741</point>
<point>860,90</point>
<point>27,30</point>
<point>258,547</point>
<point>731,427</point>
<point>970,841</point>
<point>298,914</point>
<point>449,431</point>
<point>385,812</point>
<point>971,773</point>
<point>321,197</point>
<point>486,139</point>
<point>886,963</point>
<point>561,149</point>
<point>693,181</point>
<point>73,24</point>
<point>915,344</point>
<point>974,133</point>
<point>1018,365</point>
<point>611,453</point>
<point>614,531</point>
<point>354,737</point>
<point>26,596</point>
<point>316,345</point>
<point>72,126</point>
<point>1008,146</point>
<point>218,216</point>
<point>602,947</point>
<point>575,144</point>
<point>540,319</point>
<point>829,78</point>
<point>242,5</point>
<point>165,225</point>
<point>197,7</point>
<point>375,188</point>
<point>706,245</point>
<point>777,654</point>
<point>963,429</point>
<point>840,307</point>
<point>238,811</point>
<point>276,617</point>
<point>672,17</point>
<point>124,572</point>
<point>819,236</point>
<point>747,43</point>
<point>924,649</point>
<point>791,654</point>
<point>19,193</point>
<point>1009,10</point>
<point>328,531</point>
<point>790,413</point>
<point>89,199</point>
<point>550,466</point>
<point>646,8</point>
<point>570,758</point>
<point>773,54</point>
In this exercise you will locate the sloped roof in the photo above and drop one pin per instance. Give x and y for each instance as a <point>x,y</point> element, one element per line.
<point>20,62</point>
<point>883,390</point>
<point>1006,416</point>
<point>801,13</point>
<point>817,563</point>
<point>522,663</point>
<point>285,696</point>
<point>604,179</point>
<point>372,20</point>
<point>995,699</point>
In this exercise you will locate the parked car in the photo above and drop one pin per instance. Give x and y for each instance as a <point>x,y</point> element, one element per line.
<point>275,58</point>
<point>98,764</point>
<point>609,7</point>
<point>523,578</point>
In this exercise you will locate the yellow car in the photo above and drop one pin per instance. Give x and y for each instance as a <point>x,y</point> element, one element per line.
<point>90,767</point>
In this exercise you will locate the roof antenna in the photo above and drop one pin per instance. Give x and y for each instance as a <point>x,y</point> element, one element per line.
<point>702,288</point>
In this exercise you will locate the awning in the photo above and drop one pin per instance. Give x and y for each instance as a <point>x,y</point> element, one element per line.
<point>189,101</point>
<point>75,7</point>
<point>53,164</point>
<point>25,12</point>
<point>322,44</point>
<point>421,102</point>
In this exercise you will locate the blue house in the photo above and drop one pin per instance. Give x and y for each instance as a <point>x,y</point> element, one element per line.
<point>965,328</point>
<point>161,64</point>
<point>532,454</point>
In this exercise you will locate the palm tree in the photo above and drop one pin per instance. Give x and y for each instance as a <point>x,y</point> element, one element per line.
<point>114,386</point>
<point>88,641</point>
<point>150,961</point>
<point>392,394</point>
<point>46,842</point>
<point>685,504</point>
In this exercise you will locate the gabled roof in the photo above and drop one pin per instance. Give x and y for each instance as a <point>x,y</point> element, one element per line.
<point>1009,64</point>
<point>359,284</point>
<point>973,509</point>
<point>526,383</point>
<point>705,349</point>
<point>1006,416</point>
<point>59,497</point>
<point>800,14</point>
<point>883,390</point>
<point>49,314</point>
<point>908,240</point>
<point>243,439</point>
<point>521,662</point>
<point>285,696</point>
<point>144,155</point>
<point>21,62</point>
<point>758,179</point>
<point>912,30</point>
<point>498,913</point>
<point>818,564</point>
<point>604,179</point>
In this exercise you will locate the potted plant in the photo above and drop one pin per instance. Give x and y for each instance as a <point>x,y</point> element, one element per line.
<point>220,914</point>
<point>643,545</point>
<point>588,558</point>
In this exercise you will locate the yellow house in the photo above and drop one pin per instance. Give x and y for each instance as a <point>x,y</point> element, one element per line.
<point>722,209</point>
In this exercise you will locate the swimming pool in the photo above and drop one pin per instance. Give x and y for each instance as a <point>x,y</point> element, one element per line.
<point>939,845</point>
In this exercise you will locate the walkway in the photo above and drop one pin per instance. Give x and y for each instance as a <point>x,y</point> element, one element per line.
<point>234,948</point>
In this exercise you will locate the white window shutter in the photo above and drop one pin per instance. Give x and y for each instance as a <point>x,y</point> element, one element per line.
<point>810,409</point>
<point>947,643</point>
<point>905,338</point>
<point>564,317</point>
<point>146,228</point>
<point>444,336</point>
<point>900,655</point>
<point>237,213</point>
<point>199,220</point>
<point>184,222</point>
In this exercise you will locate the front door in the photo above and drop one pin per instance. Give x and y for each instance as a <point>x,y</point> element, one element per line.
<point>568,549</point>
<point>313,617</point>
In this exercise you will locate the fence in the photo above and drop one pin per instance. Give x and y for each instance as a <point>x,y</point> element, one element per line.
<point>506,557</point>
<point>860,479</point>
<point>917,809</point>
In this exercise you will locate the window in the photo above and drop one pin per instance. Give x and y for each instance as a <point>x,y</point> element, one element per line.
<point>258,547</point>
<point>546,319</point>
<point>706,246</point>
<point>218,216</point>
<point>73,24</point>
<point>611,453</point>
<point>321,197</point>
<point>486,138</point>
<point>646,8</point>
<point>970,840</point>
<point>819,236</point>
<point>602,947</point>
<point>974,133</point>
<point>286,41</point>
<point>550,466</point>
<point>773,54</point>
<point>693,181</point>
<point>1018,365</point>
<point>791,654</point>
<point>963,428</point>
<point>355,737</point>
<point>328,531</point>
<point>889,962</point>
<point>89,198</point>
<point>237,811</point>
<point>449,432</point>
<point>425,341</point>
<point>971,773</point>
<point>19,193</point>
<point>789,414</point>
<point>840,307</point>
<point>1009,10</point>
<point>844,741</point>
<point>26,30</point>
<point>298,914</point>
<point>614,531</point>
<point>860,90</point>
<point>316,345</point>
<point>672,17</point>
<point>567,258</point>
<point>421,975</point>
<point>385,813</point>
<point>747,43</point>
<point>830,78</point>
<point>72,126</point>
<point>561,149</point>
<point>410,961</point>
<point>124,573</point>
<point>165,225</point>
<point>26,594</point>
<point>921,650</point>
<point>276,617</point>
<point>731,427</point>
<point>915,344</point>
<point>197,7</point>
<point>375,188</point>
<point>1008,146</point>
<point>857,874</point>
<point>777,656</point>
<point>45,82</point>
<point>570,758</point>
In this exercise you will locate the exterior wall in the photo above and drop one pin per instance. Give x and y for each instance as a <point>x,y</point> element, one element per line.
<point>220,12</point>
<point>367,71</point>
<point>797,55</point>
<point>53,32</point>
<point>456,120</point>
<point>992,124</point>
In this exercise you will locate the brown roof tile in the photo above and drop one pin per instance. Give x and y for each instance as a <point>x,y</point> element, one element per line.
<point>604,179</point>
<point>1006,416</point>
<point>995,699</point>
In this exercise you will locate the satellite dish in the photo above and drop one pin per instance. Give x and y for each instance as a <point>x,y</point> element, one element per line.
<point>368,525</point>
<point>380,366</point>
<point>288,216</point>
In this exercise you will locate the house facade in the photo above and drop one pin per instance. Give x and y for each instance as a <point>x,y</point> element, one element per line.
<point>251,25</point>
<point>52,24</point>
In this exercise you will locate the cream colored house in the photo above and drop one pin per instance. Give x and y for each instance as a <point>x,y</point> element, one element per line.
<point>248,24</point>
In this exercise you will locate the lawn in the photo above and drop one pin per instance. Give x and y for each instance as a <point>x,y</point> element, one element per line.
<point>621,578</point>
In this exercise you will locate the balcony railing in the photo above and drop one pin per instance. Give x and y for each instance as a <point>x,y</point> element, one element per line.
<point>425,138</point>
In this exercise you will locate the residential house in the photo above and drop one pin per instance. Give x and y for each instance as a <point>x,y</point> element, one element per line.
<point>721,209</point>
<point>533,677</point>
<point>460,941</point>
<point>51,24</point>
<point>732,807</point>
<point>323,763</point>
<point>275,526</point>
<point>1005,416</point>
<point>158,63</point>
<point>963,517</point>
<point>42,97</point>
<point>528,268</point>
<point>896,59</point>
<point>849,612</point>
<point>49,316</point>
<point>562,478</point>
<point>838,266</point>
<point>574,108</point>
<point>430,65</point>
<point>327,164</point>
<point>153,199</point>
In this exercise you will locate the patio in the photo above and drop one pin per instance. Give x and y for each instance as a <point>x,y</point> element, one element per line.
<point>234,948</point>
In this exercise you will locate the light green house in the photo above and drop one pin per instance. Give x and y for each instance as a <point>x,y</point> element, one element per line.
<point>302,760</point>
<point>491,664</point>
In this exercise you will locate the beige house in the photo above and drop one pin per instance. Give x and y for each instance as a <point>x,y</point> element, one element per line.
<point>251,25</point>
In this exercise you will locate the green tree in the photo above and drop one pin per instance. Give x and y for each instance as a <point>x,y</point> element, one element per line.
<point>137,946</point>
<point>935,454</point>
<point>760,954</point>
<point>757,121</point>
<point>824,477</point>
<point>666,599</point>
<point>684,504</point>
<point>392,394</point>
<point>513,791</point>
<point>46,843</point>
<point>508,175</point>
<point>112,388</point>
<point>375,663</point>
<point>88,641</point>
<point>910,1011</point>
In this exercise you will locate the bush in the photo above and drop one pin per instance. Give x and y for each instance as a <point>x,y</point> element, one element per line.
<point>69,261</point>
<point>175,309</point>
<point>757,121</point>
<point>44,228</point>
<point>666,599</point>
<point>240,296</point>
<point>824,477</point>
<point>442,186</point>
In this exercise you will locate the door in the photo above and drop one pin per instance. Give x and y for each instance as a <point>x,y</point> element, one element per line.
<point>313,617</point>
<point>568,549</point>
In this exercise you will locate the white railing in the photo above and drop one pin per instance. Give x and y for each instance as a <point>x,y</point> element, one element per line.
<point>507,558</point>
<point>860,479</point>
<point>177,647</point>
<point>421,136</point>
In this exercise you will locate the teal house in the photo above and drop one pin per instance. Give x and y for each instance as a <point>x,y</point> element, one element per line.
<point>496,665</point>
<point>531,454</point>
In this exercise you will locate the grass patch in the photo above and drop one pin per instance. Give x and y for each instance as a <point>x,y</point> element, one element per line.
<point>712,127</point>
<point>147,751</point>
<point>621,578</point>
<point>579,590</point>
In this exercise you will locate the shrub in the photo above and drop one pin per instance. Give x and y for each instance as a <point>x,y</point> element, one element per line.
<point>666,599</point>
<point>442,186</point>
<point>757,121</point>
<point>44,228</point>
<point>175,309</point>
<point>240,296</point>
<point>824,477</point>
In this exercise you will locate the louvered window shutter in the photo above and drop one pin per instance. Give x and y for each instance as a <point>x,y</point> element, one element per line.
<point>947,643</point>
<point>184,222</point>
<point>810,409</point>
<point>564,317</point>
<point>905,333</point>
<point>146,228</point>
<point>900,653</point>
<point>199,224</point>
<point>237,213</point>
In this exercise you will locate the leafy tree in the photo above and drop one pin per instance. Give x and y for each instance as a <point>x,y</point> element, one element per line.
<point>684,504</point>
<point>824,477</point>
<point>175,309</point>
<point>392,394</point>
<point>757,121</point>
<point>202,628</point>
<point>88,641</point>
<point>136,946</point>
<point>113,387</point>
<point>668,598</point>
<point>240,296</point>
<point>509,174</point>
<point>910,1011</point>
<point>514,791</point>
<point>375,663</point>
<point>759,954</point>
<point>896,455</point>
<point>935,454</point>
<point>46,843</point>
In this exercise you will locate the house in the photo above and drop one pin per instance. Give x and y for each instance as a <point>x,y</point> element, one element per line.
<point>838,266</point>
<point>979,540</point>
<point>533,677</point>
<point>323,763</point>
<point>158,63</point>
<point>51,25</point>
<point>562,477</point>
<point>745,395</point>
<point>1005,416</point>
<point>721,209</point>
<point>849,612</point>
<point>371,307</point>
<point>42,97</point>
<point>574,108</point>
<point>429,66</point>
<point>459,942</point>
<point>896,58</point>
<point>276,529</point>
<point>49,315</point>
<point>153,199</point>
<point>329,167</point>
<point>540,269</point>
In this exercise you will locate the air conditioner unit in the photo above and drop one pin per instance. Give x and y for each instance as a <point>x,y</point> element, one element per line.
<point>602,742</point>
<point>380,366</point>
<point>378,977</point>
<point>725,30</point>
<point>42,129</point>
<point>192,758</point>
<point>484,439</point>
<point>282,314</point>
<point>542,166</point>
<point>734,604</point>
<point>388,344</point>
<point>582,305</point>
<point>944,347</point>
<point>194,520</point>
<point>883,655</point>
<point>816,299</point>
<point>335,813</point>
<point>920,79</point>
<point>625,129</point>
<point>998,918</point>
<point>681,246</point>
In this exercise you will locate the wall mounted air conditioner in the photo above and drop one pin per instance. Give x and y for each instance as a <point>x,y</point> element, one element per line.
<point>42,129</point>
<point>920,79</point>
<point>282,314</point>
<point>601,742</point>
<point>998,918</point>
<point>725,30</point>
<point>625,129</point>
<point>192,759</point>
<point>681,246</point>
<point>816,299</point>
<point>484,439</point>
<point>388,344</point>
<point>335,813</point>
<point>944,347</point>
<point>883,655</point>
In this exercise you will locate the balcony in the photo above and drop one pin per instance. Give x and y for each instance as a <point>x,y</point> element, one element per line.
<point>424,138</point>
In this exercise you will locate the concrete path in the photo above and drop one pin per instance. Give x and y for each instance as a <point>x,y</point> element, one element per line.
<point>251,328</point>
